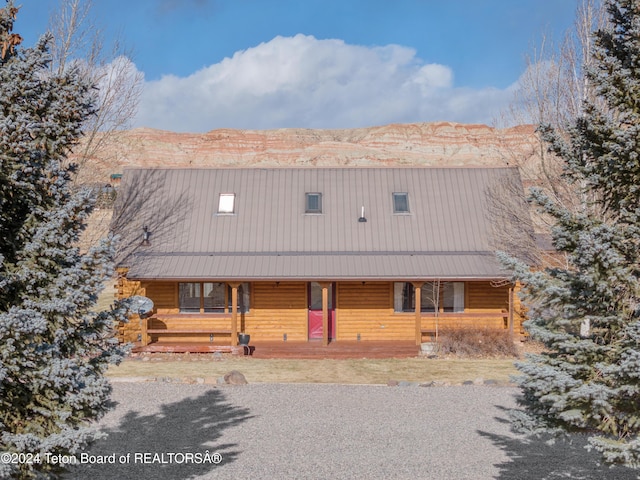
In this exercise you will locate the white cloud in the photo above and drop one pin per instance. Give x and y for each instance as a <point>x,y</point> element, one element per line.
<point>309,83</point>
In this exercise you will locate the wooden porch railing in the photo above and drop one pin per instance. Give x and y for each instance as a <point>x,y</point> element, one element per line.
<point>192,324</point>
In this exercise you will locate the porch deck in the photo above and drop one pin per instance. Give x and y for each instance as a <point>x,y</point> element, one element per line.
<point>296,350</point>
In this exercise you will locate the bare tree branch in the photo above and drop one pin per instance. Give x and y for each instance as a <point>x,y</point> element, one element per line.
<point>79,41</point>
<point>552,92</point>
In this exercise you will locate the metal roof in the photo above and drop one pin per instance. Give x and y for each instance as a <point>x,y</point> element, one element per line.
<point>446,234</point>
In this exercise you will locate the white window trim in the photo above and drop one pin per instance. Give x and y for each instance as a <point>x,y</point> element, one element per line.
<point>458,297</point>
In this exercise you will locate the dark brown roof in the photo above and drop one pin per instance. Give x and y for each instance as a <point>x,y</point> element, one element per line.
<point>446,234</point>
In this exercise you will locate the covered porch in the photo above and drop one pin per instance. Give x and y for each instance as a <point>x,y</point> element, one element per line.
<point>175,328</point>
<point>429,325</point>
<point>313,349</point>
<point>320,313</point>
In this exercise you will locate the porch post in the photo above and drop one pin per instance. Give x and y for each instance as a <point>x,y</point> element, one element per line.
<point>511,293</point>
<point>144,322</point>
<point>144,337</point>
<point>234,313</point>
<point>325,312</point>
<point>417,287</point>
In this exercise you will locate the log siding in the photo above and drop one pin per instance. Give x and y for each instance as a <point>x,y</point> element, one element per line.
<point>278,310</point>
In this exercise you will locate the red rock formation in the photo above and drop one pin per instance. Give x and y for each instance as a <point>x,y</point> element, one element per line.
<point>440,144</point>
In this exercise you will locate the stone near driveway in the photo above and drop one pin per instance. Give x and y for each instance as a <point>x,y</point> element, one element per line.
<point>404,383</point>
<point>234,377</point>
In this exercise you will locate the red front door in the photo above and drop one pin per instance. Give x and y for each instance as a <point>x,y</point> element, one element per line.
<point>315,311</point>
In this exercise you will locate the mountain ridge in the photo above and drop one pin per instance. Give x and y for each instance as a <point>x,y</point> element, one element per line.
<point>429,144</point>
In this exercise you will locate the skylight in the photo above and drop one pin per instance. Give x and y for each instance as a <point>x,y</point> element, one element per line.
<point>400,202</point>
<point>226,203</point>
<point>313,203</point>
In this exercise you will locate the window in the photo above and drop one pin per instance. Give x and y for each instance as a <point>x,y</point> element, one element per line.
<point>211,297</point>
<point>315,297</point>
<point>189,297</point>
<point>400,202</point>
<point>226,203</point>
<point>313,203</point>
<point>243,298</point>
<point>429,296</point>
<point>453,297</point>
<point>449,297</point>
<point>403,299</point>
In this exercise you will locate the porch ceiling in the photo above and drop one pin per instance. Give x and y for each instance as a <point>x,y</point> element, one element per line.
<point>316,266</point>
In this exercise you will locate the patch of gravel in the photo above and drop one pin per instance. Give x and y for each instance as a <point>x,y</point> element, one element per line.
<point>320,431</point>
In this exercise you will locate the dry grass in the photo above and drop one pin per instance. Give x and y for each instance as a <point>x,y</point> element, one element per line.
<point>357,371</point>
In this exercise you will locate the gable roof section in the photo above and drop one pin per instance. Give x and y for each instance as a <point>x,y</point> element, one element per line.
<point>446,234</point>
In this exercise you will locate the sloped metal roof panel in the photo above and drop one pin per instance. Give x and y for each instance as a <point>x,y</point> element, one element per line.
<point>448,219</point>
<point>313,266</point>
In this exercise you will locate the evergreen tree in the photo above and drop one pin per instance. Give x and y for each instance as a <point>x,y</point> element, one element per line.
<point>54,348</point>
<point>588,314</point>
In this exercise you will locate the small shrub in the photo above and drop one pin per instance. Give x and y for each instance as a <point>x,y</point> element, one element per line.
<point>477,342</point>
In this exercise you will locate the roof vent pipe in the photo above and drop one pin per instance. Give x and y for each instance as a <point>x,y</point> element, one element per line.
<point>362,217</point>
<point>146,235</point>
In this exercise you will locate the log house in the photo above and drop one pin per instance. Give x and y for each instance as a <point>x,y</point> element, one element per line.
<point>312,254</point>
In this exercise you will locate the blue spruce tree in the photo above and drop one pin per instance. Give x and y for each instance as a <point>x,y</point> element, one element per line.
<point>54,347</point>
<point>588,313</point>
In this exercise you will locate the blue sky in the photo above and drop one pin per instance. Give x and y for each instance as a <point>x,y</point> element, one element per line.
<point>320,63</point>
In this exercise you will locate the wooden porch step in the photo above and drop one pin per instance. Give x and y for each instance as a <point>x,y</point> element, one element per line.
<point>193,348</point>
<point>295,350</point>
<point>186,330</point>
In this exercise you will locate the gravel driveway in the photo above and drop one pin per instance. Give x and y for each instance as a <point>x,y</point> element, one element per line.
<point>275,431</point>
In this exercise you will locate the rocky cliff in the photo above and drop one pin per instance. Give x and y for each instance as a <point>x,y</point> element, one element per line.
<point>433,144</point>
<point>441,144</point>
